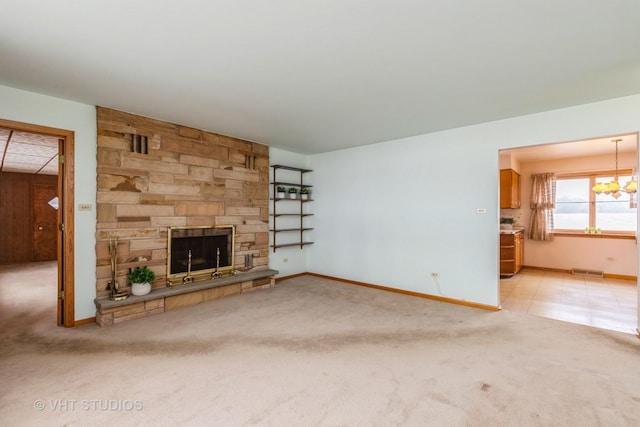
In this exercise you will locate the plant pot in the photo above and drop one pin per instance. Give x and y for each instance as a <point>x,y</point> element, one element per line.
<point>304,196</point>
<point>139,289</point>
<point>506,226</point>
<point>292,195</point>
<point>280,195</point>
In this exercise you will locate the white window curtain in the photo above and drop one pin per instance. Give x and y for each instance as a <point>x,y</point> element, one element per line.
<point>543,201</point>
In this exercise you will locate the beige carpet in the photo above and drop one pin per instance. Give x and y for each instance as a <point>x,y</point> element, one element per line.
<point>312,352</point>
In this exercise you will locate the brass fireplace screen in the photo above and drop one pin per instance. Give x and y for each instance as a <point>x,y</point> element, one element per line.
<point>199,253</point>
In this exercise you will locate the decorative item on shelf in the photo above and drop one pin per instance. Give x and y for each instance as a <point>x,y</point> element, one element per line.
<point>592,230</point>
<point>586,230</point>
<point>304,193</point>
<point>293,192</point>
<point>598,230</point>
<point>141,278</point>
<point>613,188</point>
<point>506,223</point>
<point>281,192</point>
<point>115,293</point>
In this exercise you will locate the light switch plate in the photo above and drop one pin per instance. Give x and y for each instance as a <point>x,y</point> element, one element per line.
<point>84,207</point>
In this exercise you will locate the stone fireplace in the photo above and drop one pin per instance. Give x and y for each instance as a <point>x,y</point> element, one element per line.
<point>154,176</point>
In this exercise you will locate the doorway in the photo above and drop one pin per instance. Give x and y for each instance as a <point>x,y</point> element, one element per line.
<point>548,286</point>
<point>45,229</point>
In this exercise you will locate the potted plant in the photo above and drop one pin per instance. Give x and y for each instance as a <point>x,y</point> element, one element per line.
<point>280,192</point>
<point>304,193</point>
<point>141,278</point>
<point>293,192</point>
<point>506,223</point>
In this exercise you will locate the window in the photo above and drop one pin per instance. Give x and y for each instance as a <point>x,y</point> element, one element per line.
<point>577,206</point>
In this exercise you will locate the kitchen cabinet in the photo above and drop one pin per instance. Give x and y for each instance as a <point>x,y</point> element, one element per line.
<point>509,189</point>
<point>511,252</point>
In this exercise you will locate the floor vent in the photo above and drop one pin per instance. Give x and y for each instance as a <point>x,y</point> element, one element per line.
<point>590,273</point>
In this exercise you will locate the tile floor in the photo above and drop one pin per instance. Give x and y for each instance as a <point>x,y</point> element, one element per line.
<point>602,303</point>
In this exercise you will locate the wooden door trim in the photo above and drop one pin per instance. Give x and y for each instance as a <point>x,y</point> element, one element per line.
<point>66,264</point>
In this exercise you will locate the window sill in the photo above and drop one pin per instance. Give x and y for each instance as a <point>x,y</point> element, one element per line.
<point>603,235</point>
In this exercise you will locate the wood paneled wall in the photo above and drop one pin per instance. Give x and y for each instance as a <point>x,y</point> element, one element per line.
<point>16,215</point>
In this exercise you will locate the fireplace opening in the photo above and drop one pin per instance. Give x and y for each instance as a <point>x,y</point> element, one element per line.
<point>199,253</point>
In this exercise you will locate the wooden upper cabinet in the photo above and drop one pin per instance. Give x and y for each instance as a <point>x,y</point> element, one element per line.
<point>509,189</point>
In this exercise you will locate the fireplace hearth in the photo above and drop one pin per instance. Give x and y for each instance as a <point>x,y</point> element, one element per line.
<point>199,253</point>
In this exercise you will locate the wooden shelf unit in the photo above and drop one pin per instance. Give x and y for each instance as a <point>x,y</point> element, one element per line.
<point>299,214</point>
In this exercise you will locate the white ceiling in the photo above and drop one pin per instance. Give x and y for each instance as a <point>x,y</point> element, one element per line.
<point>316,76</point>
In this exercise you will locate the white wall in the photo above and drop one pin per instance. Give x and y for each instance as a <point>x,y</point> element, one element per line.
<point>290,260</point>
<point>613,256</point>
<point>393,212</point>
<point>29,107</point>
<point>388,214</point>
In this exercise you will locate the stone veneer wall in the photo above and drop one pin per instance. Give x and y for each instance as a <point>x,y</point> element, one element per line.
<point>189,177</point>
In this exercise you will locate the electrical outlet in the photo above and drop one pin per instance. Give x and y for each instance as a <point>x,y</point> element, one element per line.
<point>435,275</point>
<point>84,207</point>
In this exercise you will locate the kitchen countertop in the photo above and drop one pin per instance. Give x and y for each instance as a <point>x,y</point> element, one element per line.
<point>514,231</point>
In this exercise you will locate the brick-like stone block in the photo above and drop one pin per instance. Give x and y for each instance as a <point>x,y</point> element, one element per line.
<point>188,132</point>
<point>199,208</point>
<point>262,238</point>
<point>132,316</point>
<point>252,228</point>
<point>242,211</point>
<point>199,173</point>
<point>198,221</point>
<point>175,188</point>
<point>152,244</point>
<point>160,177</point>
<point>108,157</point>
<point>238,144</point>
<point>164,166</point>
<point>110,182</point>
<point>228,220</point>
<point>159,254</point>
<point>104,319</point>
<point>188,159</point>
<point>181,146</point>
<point>144,210</point>
<point>183,300</point>
<point>128,310</point>
<point>153,304</point>
<point>222,291</point>
<point>240,175</point>
<point>260,149</point>
<point>169,221</point>
<point>106,212</point>
<point>118,143</point>
<point>118,197</point>
<point>232,183</point>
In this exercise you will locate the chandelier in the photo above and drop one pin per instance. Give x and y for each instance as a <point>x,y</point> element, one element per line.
<point>613,188</point>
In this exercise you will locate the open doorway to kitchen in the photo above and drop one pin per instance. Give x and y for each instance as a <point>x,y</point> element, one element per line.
<point>36,189</point>
<point>583,275</point>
